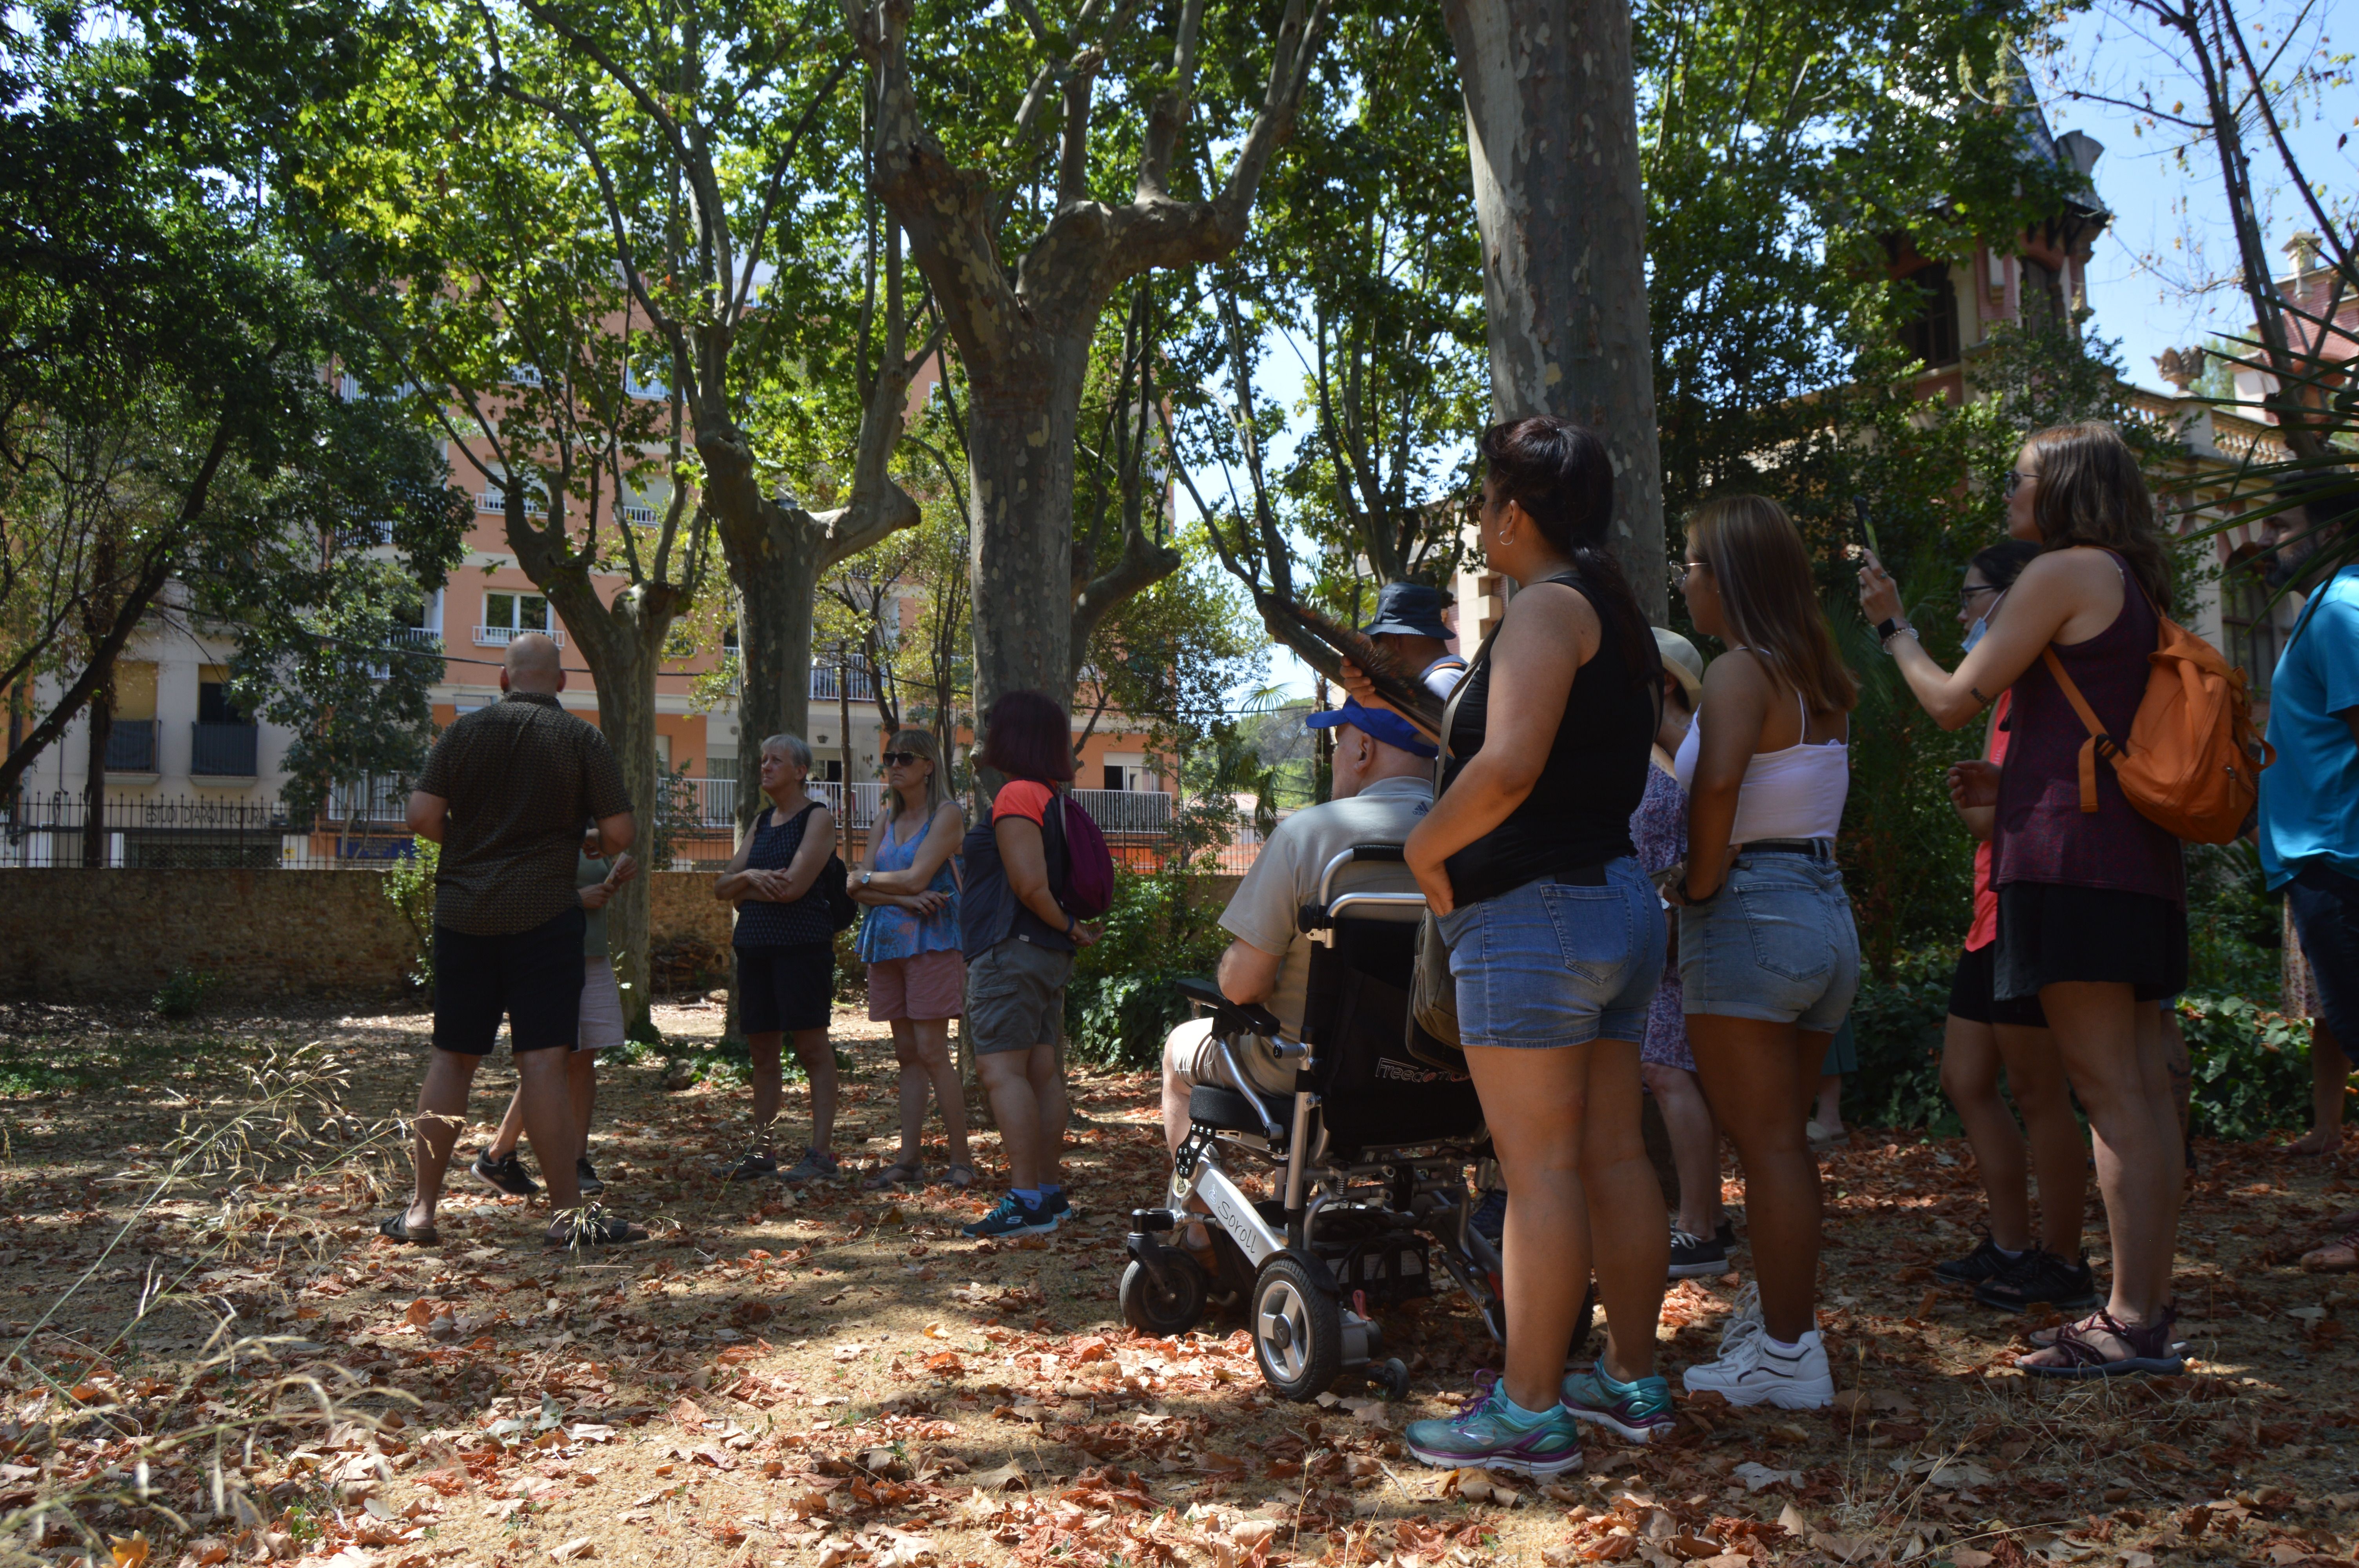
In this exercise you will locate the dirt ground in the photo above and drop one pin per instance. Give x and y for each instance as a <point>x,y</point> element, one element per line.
<point>837,1378</point>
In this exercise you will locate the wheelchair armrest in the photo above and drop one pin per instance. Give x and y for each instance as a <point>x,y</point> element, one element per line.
<point>1239,1017</point>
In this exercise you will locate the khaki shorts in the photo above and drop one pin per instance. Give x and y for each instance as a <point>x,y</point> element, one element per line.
<point>1016,997</point>
<point>1191,1055</point>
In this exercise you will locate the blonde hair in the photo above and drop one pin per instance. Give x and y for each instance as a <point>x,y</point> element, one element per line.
<point>921,741</point>
<point>794,746</point>
<point>1761,571</point>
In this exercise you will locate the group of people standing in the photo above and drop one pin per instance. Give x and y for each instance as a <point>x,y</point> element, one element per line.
<point>1631,857</point>
<point>1636,874</point>
<point>529,808</point>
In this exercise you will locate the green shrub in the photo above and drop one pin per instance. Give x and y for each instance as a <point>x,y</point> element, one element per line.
<point>409,887</point>
<point>1121,1002</point>
<point>184,991</point>
<point>2251,1067</point>
<point>1896,1025</point>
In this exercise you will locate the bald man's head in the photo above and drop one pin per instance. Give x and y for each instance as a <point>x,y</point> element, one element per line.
<point>533,664</point>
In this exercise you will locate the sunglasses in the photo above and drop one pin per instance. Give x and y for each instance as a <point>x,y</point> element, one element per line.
<point>1966,594</point>
<point>902,759</point>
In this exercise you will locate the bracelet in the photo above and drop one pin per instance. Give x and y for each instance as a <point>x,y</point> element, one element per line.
<point>1903,630</point>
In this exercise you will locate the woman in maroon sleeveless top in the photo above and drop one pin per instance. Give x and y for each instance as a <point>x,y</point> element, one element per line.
<point>2092,911</point>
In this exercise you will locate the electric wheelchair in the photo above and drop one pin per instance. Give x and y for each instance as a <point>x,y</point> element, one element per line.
<point>1367,1158</point>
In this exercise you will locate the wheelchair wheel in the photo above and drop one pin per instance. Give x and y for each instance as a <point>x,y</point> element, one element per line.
<point>1298,1330</point>
<point>1151,1307</point>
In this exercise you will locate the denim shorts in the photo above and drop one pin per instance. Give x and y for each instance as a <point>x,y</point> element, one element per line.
<point>1777,942</point>
<point>1558,963</point>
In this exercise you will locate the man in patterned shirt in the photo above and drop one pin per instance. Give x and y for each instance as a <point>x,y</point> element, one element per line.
<point>506,792</point>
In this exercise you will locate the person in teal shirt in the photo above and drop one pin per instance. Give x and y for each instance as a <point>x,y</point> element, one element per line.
<point>2309,828</point>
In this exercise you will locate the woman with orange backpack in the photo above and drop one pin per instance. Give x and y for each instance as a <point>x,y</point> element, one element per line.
<point>2092,910</point>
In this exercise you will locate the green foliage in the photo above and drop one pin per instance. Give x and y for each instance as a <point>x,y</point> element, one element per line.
<point>409,886</point>
<point>2251,1067</point>
<point>1120,1002</point>
<point>1897,1024</point>
<point>183,993</point>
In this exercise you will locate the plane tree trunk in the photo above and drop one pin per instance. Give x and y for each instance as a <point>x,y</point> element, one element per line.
<point>1552,135</point>
<point>1023,336</point>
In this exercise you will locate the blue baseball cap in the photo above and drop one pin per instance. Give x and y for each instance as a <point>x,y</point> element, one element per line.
<point>1381,722</point>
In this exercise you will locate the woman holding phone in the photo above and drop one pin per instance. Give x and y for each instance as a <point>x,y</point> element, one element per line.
<point>2091,903</point>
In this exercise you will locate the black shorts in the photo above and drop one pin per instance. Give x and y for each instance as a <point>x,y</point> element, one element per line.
<point>532,978</point>
<point>2049,934</point>
<point>788,988</point>
<point>1972,997</point>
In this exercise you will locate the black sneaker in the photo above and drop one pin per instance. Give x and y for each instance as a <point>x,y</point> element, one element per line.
<point>752,1168</point>
<point>585,1175</point>
<point>1694,1256</point>
<point>1985,1262</point>
<point>506,1174</point>
<point>2039,1276</point>
<point>1055,1204</point>
<point>1727,1233</point>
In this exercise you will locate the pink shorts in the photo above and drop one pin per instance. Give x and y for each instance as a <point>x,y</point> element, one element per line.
<point>931,985</point>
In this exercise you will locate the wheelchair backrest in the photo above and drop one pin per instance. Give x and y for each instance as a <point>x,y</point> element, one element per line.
<point>1355,1019</point>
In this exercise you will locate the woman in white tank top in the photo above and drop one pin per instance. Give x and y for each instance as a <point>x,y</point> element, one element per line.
<point>1768,955</point>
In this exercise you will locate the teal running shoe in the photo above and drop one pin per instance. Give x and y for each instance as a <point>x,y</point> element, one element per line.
<point>1640,1410</point>
<point>1482,1434</point>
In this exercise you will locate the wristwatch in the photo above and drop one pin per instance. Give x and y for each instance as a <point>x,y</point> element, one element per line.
<point>1887,630</point>
<point>864,876</point>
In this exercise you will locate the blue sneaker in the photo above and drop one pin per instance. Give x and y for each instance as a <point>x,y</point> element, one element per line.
<point>1485,1436</point>
<point>1639,1411</point>
<point>1014,1217</point>
<point>1054,1203</point>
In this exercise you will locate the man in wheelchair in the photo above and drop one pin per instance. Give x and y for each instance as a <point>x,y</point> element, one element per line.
<point>1384,783</point>
<point>1306,1067</point>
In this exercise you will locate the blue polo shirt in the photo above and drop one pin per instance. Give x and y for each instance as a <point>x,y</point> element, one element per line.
<point>2309,794</point>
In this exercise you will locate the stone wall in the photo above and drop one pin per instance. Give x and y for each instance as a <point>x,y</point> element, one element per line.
<point>115,936</point>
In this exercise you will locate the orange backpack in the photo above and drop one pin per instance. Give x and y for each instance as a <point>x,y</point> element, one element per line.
<point>2195,761</point>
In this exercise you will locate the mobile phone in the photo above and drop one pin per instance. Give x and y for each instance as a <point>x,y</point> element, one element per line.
<point>1867,527</point>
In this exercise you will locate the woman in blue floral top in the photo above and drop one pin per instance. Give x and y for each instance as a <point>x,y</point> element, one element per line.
<point>1700,1235</point>
<point>910,940</point>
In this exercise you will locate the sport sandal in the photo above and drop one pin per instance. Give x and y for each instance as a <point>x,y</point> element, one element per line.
<point>2149,1347</point>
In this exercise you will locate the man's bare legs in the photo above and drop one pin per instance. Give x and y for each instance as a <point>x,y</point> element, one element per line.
<point>1027,1102</point>
<point>922,1046</point>
<point>2329,1077</point>
<point>1695,1145</point>
<point>582,1087</point>
<point>443,1112</point>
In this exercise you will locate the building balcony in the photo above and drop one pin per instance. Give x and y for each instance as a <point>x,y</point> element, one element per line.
<point>421,637</point>
<point>501,636</point>
<point>222,751</point>
<point>131,745</point>
<point>858,682</point>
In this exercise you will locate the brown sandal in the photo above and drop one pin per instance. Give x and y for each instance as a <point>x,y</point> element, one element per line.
<point>2340,1257</point>
<point>2149,1349</point>
<point>899,1173</point>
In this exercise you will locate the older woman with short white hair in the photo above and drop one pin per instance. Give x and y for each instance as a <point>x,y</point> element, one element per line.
<point>784,943</point>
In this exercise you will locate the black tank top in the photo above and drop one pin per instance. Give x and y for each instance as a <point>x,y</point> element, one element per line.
<point>1578,813</point>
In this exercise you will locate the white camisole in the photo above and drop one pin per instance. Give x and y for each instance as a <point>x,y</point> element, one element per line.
<point>1798,793</point>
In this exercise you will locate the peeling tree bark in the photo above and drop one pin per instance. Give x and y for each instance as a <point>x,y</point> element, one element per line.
<point>1552,133</point>
<point>1024,340</point>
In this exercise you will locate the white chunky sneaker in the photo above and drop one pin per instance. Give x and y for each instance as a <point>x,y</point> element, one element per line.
<point>1756,1371</point>
<point>1744,1321</point>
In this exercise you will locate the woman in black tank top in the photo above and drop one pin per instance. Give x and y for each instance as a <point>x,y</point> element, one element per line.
<point>1556,943</point>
